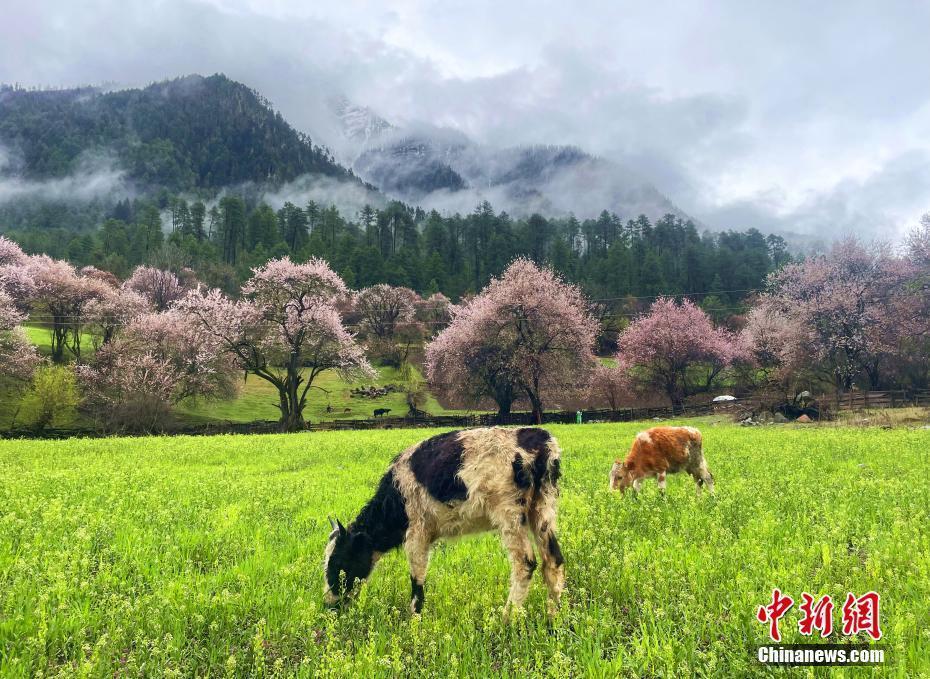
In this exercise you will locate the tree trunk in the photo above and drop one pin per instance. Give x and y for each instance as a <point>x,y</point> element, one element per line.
<point>292,415</point>
<point>503,409</point>
<point>59,335</point>
<point>537,416</point>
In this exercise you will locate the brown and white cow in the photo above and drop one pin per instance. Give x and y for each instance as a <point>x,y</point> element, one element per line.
<point>450,485</point>
<point>660,451</point>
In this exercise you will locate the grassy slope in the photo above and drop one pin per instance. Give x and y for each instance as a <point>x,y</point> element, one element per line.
<point>257,401</point>
<point>41,338</point>
<point>202,555</point>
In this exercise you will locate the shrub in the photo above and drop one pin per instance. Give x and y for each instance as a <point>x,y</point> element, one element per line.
<point>52,398</point>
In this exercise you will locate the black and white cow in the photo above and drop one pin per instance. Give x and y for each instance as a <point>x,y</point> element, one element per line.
<point>453,484</point>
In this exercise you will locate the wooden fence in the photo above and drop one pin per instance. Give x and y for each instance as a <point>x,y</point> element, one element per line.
<point>922,398</point>
<point>857,400</point>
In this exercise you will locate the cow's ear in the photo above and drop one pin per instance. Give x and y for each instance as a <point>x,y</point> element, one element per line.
<point>337,526</point>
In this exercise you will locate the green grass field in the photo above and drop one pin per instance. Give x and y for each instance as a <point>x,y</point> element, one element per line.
<point>202,556</point>
<point>257,399</point>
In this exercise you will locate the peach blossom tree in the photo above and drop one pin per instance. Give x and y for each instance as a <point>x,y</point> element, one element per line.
<point>160,288</point>
<point>527,334</point>
<point>853,306</point>
<point>285,329</point>
<point>18,358</point>
<point>157,361</point>
<point>675,349</point>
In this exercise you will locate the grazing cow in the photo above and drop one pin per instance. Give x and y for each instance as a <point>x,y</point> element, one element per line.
<point>346,411</point>
<point>379,412</point>
<point>453,484</point>
<point>660,451</point>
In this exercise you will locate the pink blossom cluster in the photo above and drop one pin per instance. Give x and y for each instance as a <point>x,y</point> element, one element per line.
<point>846,312</point>
<point>611,385</point>
<point>675,349</point>
<point>434,312</point>
<point>18,358</point>
<point>382,308</point>
<point>156,361</point>
<point>527,334</point>
<point>160,288</point>
<point>10,253</point>
<point>286,329</point>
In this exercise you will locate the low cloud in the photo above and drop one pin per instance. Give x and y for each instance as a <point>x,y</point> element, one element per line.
<point>95,177</point>
<point>348,196</point>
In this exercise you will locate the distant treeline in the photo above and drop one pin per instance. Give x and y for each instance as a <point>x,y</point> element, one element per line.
<point>456,255</point>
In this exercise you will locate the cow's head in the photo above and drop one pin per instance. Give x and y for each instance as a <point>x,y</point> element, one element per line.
<point>349,558</point>
<point>620,477</point>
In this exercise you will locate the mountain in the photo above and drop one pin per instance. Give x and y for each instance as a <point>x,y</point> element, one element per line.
<point>184,134</point>
<point>444,169</point>
<point>67,156</point>
<point>358,123</point>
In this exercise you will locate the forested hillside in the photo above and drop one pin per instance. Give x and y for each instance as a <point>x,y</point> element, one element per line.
<point>400,245</point>
<point>181,134</point>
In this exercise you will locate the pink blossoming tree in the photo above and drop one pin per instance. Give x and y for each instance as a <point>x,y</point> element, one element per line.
<point>114,308</point>
<point>18,358</point>
<point>15,280</point>
<point>58,299</point>
<point>286,329</point>
<point>675,349</point>
<point>382,308</point>
<point>160,288</point>
<point>528,334</point>
<point>778,347</point>
<point>157,361</point>
<point>852,305</point>
<point>10,253</point>
<point>387,316</point>
<point>610,385</point>
<point>434,312</point>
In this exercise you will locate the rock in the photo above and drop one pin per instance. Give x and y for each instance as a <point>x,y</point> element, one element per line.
<point>804,418</point>
<point>780,419</point>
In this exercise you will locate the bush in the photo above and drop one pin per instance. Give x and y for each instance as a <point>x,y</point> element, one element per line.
<point>52,398</point>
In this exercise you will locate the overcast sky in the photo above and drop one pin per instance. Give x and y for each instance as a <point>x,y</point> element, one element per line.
<point>810,117</point>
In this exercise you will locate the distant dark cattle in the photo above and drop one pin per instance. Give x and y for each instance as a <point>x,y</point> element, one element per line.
<point>347,410</point>
<point>793,412</point>
<point>381,412</point>
<point>453,484</point>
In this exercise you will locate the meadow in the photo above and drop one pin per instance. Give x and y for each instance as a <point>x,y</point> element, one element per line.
<point>202,556</point>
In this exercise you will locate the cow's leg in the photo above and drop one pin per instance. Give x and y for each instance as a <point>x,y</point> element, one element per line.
<point>638,484</point>
<point>416,545</point>
<point>660,477</point>
<point>542,524</point>
<point>522,563</point>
